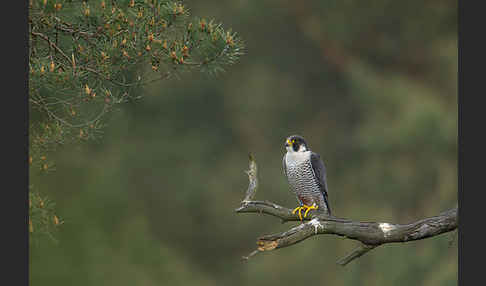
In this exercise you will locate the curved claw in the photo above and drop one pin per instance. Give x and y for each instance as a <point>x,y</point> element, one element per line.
<point>299,208</point>
<point>313,207</point>
<point>306,208</point>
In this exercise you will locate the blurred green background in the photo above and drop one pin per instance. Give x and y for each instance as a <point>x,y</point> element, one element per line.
<point>372,85</point>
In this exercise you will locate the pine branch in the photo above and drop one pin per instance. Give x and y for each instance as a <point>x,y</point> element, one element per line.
<point>87,57</point>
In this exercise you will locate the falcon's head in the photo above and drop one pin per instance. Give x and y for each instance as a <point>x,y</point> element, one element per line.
<point>296,143</point>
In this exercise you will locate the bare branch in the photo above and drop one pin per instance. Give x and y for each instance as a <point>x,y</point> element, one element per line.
<point>252,177</point>
<point>370,234</point>
<point>357,252</point>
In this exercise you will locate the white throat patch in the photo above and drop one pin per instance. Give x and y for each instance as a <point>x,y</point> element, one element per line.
<point>297,158</point>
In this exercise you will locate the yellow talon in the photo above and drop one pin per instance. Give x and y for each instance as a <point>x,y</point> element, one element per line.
<point>306,208</point>
<point>313,207</point>
<point>300,211</point>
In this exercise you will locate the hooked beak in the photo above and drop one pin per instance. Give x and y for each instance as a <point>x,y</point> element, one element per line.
<point>288,143</point>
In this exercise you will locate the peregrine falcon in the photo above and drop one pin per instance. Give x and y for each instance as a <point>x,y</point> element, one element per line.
<point>306,175</point>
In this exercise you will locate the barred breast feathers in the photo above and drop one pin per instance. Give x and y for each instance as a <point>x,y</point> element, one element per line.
<point>300,174</point>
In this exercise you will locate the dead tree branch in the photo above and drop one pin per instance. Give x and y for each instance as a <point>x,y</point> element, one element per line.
<point>370,234</point>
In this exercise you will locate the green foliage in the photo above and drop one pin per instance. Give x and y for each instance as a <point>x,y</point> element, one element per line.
<point>85,58</point>
<point>42,217</point>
